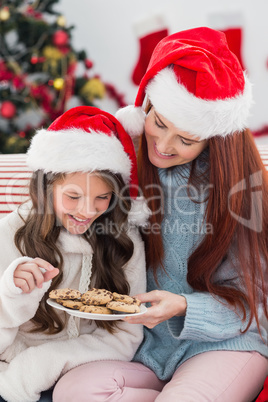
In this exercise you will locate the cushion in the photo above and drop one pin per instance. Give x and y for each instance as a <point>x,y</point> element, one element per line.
<point>14,180</point>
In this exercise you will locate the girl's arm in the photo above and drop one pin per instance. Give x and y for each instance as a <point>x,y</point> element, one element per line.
<point>31,274</point>
<point>17,307</point>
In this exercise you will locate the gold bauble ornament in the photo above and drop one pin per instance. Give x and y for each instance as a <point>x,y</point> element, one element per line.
<point>93,88</point>
<point>61,21</point>
<point>52,53</point>
<point>12,140</point>
<point>58,84</point>
<point>4,14</point>
<point>52,56</point>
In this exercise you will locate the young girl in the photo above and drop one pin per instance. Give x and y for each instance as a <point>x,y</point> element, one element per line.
<point>79,231</point>
<point>206,327</point>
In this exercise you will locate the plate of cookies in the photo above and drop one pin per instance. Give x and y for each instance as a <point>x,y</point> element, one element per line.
<point>95,304</point>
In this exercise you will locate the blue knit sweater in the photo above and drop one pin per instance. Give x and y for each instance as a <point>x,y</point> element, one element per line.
<point>209,324</point>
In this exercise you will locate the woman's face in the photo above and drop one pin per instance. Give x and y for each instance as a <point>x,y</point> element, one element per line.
<point>167,145</point>
<point>79,199</point>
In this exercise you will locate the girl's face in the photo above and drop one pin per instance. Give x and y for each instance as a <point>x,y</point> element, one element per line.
<point>167,145</point>
<point>79,199</point>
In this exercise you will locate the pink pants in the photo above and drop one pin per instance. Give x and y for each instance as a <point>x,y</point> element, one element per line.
<point>220,376</point>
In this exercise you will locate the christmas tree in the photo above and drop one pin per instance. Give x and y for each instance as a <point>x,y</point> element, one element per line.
<point>38,66</point>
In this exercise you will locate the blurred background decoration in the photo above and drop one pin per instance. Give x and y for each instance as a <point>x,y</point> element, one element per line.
<point>56,54</point>
<point>41,73</point>
<point>120,36</point>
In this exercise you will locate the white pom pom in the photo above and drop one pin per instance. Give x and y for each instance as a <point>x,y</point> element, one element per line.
<point>132,119</point>
<point>139,212</point>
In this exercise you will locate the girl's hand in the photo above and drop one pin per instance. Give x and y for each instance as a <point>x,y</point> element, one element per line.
<point>164,305</point>
<point>28,276</point>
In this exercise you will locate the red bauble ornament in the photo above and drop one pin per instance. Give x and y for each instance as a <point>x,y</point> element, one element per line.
<point>8,110</point>
<point>60,38</point>
<point>34,59</point>
<point>88,64</point>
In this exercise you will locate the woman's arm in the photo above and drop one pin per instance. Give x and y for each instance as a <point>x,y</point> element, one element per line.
<point>206,317</point>
<point>164,305</point>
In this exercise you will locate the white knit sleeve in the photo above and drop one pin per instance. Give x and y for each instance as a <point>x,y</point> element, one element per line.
<point>16,307</point>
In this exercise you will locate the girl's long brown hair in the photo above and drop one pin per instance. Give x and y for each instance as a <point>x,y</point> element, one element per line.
<point>237,209</point>
<point>112,246</point>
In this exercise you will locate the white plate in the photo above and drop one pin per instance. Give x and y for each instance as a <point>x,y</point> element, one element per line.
<point>91,316</point>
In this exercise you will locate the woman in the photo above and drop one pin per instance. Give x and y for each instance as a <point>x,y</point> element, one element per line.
<point>205,336</point>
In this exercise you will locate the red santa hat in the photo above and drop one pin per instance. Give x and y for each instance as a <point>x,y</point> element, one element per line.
<point>195,82</point>
<point>85,139</point>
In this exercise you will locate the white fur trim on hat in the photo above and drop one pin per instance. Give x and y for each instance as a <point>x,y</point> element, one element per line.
<point>75,150</point>
<point>198,117</point>
<point>132,119</point>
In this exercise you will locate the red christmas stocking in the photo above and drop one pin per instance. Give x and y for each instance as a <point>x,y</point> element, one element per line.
<point>234,40</point>
<point>149,32</point>
<point>230,24</point>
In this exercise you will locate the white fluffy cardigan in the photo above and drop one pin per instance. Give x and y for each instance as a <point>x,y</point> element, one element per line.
<point>32,362</point>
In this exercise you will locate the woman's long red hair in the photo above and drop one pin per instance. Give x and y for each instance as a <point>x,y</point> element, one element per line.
<point>237,209</point>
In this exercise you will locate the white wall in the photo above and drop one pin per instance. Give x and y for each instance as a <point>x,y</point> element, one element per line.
<point>105,29</point>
